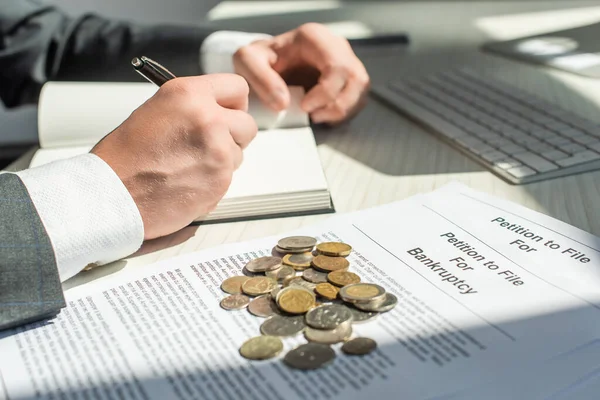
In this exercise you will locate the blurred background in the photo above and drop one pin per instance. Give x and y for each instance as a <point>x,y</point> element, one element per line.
<point>18,127</point>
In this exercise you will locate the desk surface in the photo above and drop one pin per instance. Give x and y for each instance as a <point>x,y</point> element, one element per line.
<point>381,156</point>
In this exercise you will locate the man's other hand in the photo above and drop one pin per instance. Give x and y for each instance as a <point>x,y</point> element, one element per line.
<point>310,55</point>
<point>176,153</point>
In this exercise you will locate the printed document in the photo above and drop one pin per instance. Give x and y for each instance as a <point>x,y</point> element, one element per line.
<point>484,287</point>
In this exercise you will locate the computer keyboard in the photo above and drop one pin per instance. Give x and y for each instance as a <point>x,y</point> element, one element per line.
<point>514,133</point>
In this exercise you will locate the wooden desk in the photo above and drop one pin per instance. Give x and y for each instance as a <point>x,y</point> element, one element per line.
<point>381,156</point>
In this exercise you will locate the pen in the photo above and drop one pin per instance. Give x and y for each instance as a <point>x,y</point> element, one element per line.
<point>152,71</point>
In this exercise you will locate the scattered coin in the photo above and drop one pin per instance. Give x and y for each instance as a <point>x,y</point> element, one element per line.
<point>299,261</point>
<point>279,325</point>
<point>279,250</point>
<point>387,304</point>
<point>233,285</point>
<point>329,336</point>
<point>235,302</point>
<point>342,278</point>
<point>263,264</point>
<point>295,301</point>
<point>362,292</point>
<point>297,242</point>
<point>314,276</point>
<point>261,348</point>
<point>335,249</point>
<point>360,316</point>
<point>309,356</point>
<point>282,273</point>
<point>328,316</point>
<point>329,264</point>
<point>359,346</point>
<point>327,290</point>
<point>298,281</point>
<point>258,285</point>
<point>263,306</point>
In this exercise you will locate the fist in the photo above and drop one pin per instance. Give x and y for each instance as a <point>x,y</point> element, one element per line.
<point>176,153</point>
<point>314,57</point>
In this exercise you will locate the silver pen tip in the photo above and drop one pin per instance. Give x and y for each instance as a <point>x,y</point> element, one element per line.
<point>136,62</point>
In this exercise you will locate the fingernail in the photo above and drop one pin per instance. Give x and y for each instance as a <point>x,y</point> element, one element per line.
<point>308,107</point>
<point>279,99</point>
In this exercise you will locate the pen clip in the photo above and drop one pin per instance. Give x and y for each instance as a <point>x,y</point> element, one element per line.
<point>158,68</point>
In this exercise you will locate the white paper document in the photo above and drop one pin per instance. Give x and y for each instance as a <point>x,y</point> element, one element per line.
<point>484,287</point>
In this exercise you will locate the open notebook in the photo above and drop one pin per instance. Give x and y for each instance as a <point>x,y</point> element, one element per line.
<point>281,173</point>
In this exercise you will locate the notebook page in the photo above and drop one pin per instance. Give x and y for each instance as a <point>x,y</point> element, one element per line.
<point>82,113</point>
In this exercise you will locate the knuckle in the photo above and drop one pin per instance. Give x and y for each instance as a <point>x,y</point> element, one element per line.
<point>363,79</point>
<point>310,29</point>
<point>220,154</point>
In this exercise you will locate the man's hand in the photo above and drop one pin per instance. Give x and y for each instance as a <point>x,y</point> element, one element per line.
<point>339,80</point>
<point>176,153</point>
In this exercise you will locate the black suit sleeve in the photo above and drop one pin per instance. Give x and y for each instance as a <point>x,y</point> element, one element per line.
<point>30,287</point>
<point>40,42</point>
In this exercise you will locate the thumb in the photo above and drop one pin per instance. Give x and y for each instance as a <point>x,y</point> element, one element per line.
<point>256,65</point>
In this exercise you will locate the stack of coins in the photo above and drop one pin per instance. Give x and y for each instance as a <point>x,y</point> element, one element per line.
<point>309,291</point>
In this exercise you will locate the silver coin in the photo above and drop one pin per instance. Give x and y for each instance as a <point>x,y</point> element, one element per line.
<point>362,292</point>
<point>251,274</point>
<point>387,304</point>
<point>301,282</point>
<point>279,325</point>
<point>314,276</point>
<point>359,346</point>
<point>329,336</point>
<point>283,251</point>
<point>297,242</point>
<point>263,306</point>
<point>309,356</point>
<point>263,264</point>
<point>328,316</point>
<point>235,302</point>
<point>359,316</point>
<point>282,273</point>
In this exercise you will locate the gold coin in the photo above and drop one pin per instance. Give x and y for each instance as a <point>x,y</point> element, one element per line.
<point>298,261</point>
<point>295,301</point>
<point>334,249</point>
<point>233,285</point>
<point>328,264</point>
<point>342,278</point>
<point>362,292</point>
<point>259,285</point>
<point>261,347</point>
<point>327,290</point>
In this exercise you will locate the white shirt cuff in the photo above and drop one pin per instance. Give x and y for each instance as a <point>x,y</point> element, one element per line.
<point>216,53</point>
<point>88,213</point>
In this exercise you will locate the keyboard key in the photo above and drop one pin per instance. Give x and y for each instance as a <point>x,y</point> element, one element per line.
<point>554,155</point>
<point>512,149</point>
<point>507,163</point>
<point>536,162</point>
<point>572,148</point>
<point>557,140</point>
<point>584,156</point>
<point>521,172</point>
<point>584,139</point>
<point>493,156</point>
<point>595,147</point>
